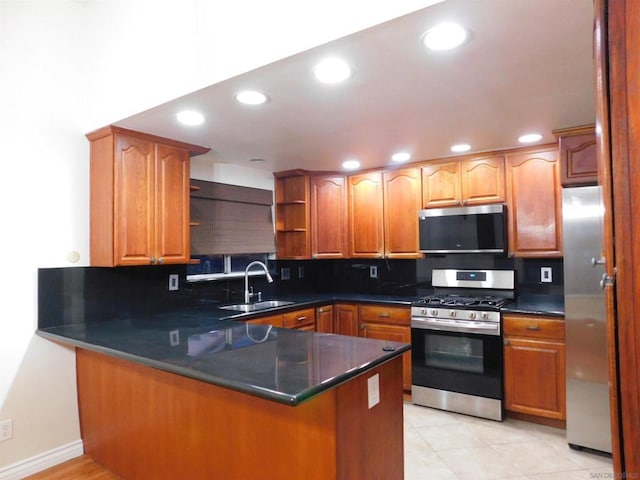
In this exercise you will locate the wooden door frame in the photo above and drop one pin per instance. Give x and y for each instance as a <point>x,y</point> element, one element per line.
<point>622,20</point>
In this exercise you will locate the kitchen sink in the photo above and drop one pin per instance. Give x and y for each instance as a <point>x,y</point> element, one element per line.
<point>252,307</point>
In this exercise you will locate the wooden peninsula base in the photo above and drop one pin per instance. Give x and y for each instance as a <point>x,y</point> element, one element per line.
<point>144,423</point>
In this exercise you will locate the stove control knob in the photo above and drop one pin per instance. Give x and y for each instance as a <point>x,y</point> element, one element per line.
<point>485,315</point>
<point>434,313</point>
<point>472,315</point>
<point>452,313</point>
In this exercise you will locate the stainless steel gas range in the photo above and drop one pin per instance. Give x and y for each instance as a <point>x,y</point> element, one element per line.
<point>456,339</point>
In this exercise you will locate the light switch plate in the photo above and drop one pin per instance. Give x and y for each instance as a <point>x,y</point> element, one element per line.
<point>373,271</point>
<point>173,281</point>
<point>373,386</point>
<point>285,273</point>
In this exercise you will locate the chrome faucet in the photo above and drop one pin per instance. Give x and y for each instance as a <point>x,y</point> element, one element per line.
<point>247,293</point>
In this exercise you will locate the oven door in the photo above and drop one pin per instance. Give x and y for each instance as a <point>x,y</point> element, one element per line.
<point>458,361</point>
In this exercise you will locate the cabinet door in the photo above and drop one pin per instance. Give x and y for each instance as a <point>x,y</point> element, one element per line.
<point>483,181</point>
<point>401,206</point>
<point>346,319</point>
<point>324,319</point>
<point>134,197</point>
<point>534,204</point>
<point>172,232</point>
<point>535,377</point>
<point>578,160</point>
<point>366,226</point>
<point>441,185</point>
<point>329,217</point>
<point>393,333</point>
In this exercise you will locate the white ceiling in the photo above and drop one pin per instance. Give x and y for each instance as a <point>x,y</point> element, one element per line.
<point>528,68</point>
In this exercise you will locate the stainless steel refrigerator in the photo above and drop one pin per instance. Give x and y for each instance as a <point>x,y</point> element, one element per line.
<point>588,420</point>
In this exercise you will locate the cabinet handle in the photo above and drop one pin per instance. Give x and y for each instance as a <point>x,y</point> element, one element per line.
<point>161,260</point>
<point>300,319</point>
<point>384,315</point>
<point>153,260</point>
<point>506,342</point>
<point>533,327</point>
<point>598,261</point>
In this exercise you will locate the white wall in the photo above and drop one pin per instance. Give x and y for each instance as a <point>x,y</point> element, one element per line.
<point>68,67</point>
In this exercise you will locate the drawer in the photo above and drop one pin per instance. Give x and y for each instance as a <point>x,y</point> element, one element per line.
<point>384,314</point>
<point>533,326</point>
<point>300,318</point>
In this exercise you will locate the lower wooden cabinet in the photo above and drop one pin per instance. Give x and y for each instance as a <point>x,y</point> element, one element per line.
<point>298,319</point>
<point>275,320</point>
<point>345,319</point>
<point>534,366</point>
<point>324,319</point>
<point>388,323</point>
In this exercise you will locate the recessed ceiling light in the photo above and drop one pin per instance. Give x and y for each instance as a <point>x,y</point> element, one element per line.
<point>257,160</point>
<point>530,138</point>
<point>190,117</point>
<point>251,97</point>
<point>351,164</point>
<point>401,157</point>
<point>461,147</point>
<point>444,36</point>
<point>332,70</point>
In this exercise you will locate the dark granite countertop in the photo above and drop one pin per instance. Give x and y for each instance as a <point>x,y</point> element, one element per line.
<point>536,304</point>
<point>205,343</point>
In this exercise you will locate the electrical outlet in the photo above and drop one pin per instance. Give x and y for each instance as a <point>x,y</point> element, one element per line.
<point>173,281</point>
<point>373,271</point>
<point>285,273</point>
<point>545,274</point>
<point>6,430</point>
<point>373,390</point>
<point>300,272</point>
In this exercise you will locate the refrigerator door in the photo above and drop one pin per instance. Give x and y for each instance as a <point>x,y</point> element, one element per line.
<point>588,420</point>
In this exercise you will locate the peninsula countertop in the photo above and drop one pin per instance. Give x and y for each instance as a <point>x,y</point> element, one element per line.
<point>283,365</point>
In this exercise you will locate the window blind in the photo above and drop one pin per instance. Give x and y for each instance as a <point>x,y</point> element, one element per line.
<point>232,219</point>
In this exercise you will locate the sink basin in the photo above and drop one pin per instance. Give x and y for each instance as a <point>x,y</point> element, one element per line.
<point>252,307</point>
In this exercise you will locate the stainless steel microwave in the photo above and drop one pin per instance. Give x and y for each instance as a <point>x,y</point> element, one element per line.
<point>477,229</point>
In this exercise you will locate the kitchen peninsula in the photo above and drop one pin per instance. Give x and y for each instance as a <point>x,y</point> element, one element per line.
<point>191,394</point>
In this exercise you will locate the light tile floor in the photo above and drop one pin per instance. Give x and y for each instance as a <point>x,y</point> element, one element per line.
<point>447,446</point>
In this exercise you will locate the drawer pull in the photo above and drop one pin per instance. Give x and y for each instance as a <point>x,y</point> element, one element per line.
<point>300,319</point>
<point>384,315</point>
<point>533,327</point>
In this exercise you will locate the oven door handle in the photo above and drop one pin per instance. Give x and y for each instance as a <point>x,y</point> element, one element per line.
<point>455,325</point>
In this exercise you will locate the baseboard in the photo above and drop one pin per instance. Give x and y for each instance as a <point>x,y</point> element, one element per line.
<point>42,461</point>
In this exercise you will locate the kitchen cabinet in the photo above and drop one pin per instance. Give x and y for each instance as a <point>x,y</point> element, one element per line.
<point>345,319</point>
<point>534,366</point>
<point>292,215</point>
<point>324,319</point>
<point>139,198</point>
<point>329,222</point>
<point>366,224</point>
<point>468,181</point>
<point>534,203</point>
<point>304,319</point>
<point>383,214</point>
<point>300,319</point>
<point>578,156</point>
<point>388,323</point>
<point>275,320</point>
<point>401,195</point>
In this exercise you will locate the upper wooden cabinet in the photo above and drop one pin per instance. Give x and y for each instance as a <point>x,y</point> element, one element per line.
<point>329,216</point>
<point>383,214</point>
<point>366,225</point>
<point>534,202</point>
<point>401,190</point>
<point>292,215</point>
<point>139,198</point>
<point>578,156</point>
<point>468,181</point>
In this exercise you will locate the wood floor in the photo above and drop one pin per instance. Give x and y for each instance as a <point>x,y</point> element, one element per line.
<point>80,468</point>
